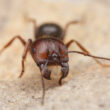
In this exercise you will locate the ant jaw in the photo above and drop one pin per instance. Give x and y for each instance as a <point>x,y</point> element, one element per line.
<point>46,73</point>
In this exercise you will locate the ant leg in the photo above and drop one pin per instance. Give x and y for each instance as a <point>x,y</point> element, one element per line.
<point>27,48</point>
<point>11,41</point>
<point>64,70</point>
<point>69,43</point>
<point>85,51</point>
<point>69,24</point>
<point>34,23</point>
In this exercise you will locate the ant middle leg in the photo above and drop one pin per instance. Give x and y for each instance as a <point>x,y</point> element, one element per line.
<point>85,51</point>
<point>11,41</point>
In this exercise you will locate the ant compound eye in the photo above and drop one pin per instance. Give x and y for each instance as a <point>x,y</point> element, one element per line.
<point>33,50</point>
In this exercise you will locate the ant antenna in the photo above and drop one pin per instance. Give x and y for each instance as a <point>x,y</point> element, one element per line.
<point>86,54</point>
<point>43,84</point>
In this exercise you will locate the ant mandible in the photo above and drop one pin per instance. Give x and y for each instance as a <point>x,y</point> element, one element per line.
<point>49,49</point>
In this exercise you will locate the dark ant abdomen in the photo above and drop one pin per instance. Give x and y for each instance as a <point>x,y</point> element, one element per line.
<point>49,30</point>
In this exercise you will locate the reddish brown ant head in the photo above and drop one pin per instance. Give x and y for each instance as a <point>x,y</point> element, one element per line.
<point>50,51</point>
<point>50,29</point>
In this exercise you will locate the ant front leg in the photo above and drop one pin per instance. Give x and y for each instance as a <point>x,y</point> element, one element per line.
<point>11,41</point>
<point>69,43</point>
<point>64,70</point>
<point>27,48</point>
<point>85,51</point>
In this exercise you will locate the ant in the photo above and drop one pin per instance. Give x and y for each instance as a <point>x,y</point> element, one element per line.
<point>49,49</point>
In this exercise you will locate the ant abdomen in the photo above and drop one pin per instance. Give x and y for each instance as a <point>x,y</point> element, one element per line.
<point>49,30</point>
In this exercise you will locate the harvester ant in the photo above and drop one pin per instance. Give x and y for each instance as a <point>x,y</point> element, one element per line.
<point>49,49</point>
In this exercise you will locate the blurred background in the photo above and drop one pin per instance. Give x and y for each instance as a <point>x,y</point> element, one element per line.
<point>87,86</point>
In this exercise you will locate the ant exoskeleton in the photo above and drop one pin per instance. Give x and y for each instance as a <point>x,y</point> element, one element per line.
<point>49,49</point>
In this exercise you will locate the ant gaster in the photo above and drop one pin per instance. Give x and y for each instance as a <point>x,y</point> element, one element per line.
<point>49,49</point>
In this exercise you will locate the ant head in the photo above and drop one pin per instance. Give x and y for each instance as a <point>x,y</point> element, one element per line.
<point>50,29</point>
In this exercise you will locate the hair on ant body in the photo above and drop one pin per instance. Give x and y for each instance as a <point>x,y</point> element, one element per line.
<point>49,49</point>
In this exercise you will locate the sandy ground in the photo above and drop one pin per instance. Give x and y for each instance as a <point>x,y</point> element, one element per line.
<point>87,86</point>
